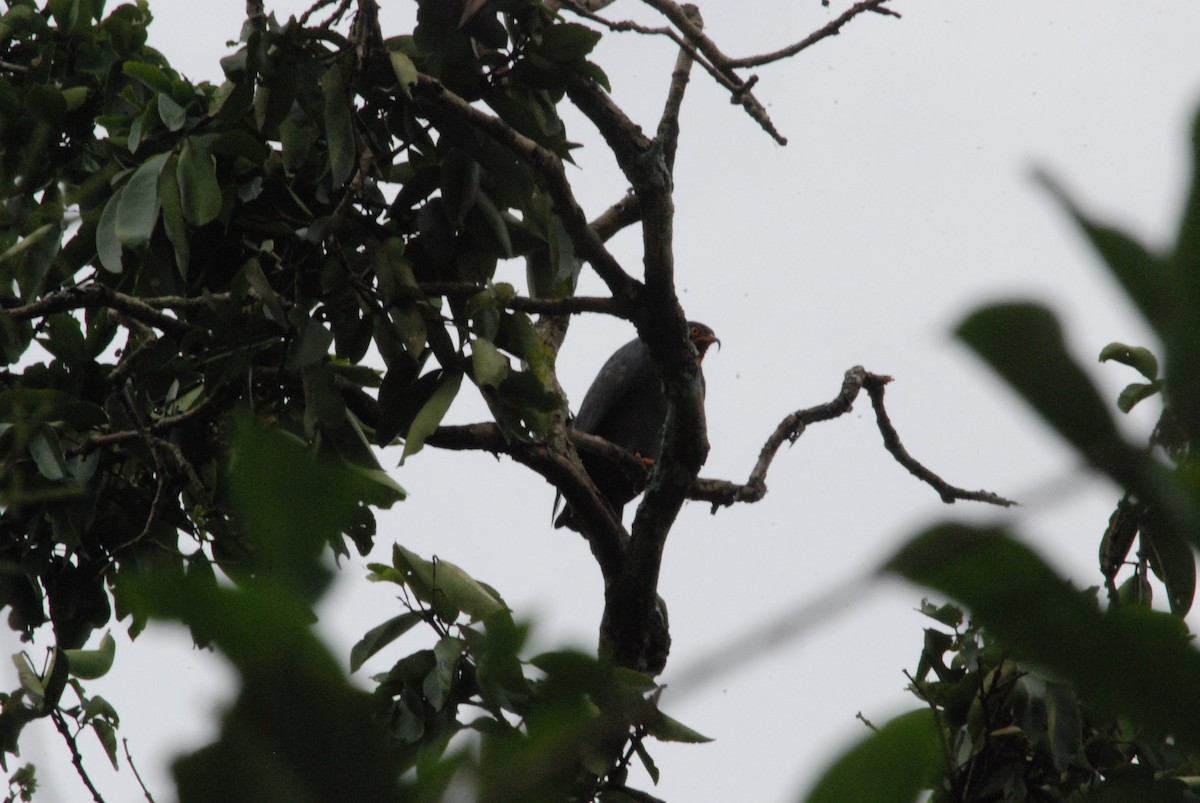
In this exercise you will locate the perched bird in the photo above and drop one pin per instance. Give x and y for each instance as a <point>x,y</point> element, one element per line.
<point>626,406</point>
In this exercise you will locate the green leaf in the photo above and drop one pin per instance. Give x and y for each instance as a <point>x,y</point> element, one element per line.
<point>138,205</point>
<point>108,739</point>
<point>154,78</point>
<point>440,680</point>
<point>489,366</point>
<point>1173,562</point>
<point>199,192</point>
<point>1128,660</point>
<point>669,729</point>
<point>172,213</point>
<point>1064,725</point>
<point>647,762</point>
<point>108,247</point>
<point>339,127</point>
<point>47,454</point>
<point>31,681</point>
<point>442,581</point>
<point>92,664</point>
<point>405,70</point>
<point>1136,392</point>
<point>171,113</point>
<point>382,635</point>
<point>891,765</point>
<point>431,414</point>
<point>567,41</point>
<point>1024,344</point>
<point>1144,275</point>
<point>1136,357</point>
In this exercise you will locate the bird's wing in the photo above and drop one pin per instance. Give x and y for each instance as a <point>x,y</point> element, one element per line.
<point>628,370</point>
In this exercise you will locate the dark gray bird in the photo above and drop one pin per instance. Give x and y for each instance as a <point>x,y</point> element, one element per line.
<point>626,406</point>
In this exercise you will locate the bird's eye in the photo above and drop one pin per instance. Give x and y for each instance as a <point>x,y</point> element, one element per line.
<point>695,331</point>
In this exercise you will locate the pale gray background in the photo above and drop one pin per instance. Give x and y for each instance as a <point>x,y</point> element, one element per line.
<point>903,200</point>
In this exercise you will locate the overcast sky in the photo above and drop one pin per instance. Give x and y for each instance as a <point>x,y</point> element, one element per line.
<point>903,199</point>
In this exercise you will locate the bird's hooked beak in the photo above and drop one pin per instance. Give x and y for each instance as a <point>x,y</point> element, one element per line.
<point>702,341</point>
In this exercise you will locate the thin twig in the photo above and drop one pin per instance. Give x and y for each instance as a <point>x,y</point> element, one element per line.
<point>93,295</point>
<point>572,305</point>
<point>874,385</point>
<point>831,29</point>
<point>76,759</point>
<point>136,774</point>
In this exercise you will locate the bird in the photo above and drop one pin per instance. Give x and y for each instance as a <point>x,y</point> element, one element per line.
<point>626,406</point>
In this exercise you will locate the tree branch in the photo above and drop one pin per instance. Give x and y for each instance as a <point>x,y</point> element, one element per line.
<point>721,493</point>
<point>571,305</point>
<point>831,29</point>
<point>92,295</point>
<point>668,124</point>
<point>76,759</point>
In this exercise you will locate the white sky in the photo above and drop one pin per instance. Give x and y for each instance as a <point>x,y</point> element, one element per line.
<point>903,199</point>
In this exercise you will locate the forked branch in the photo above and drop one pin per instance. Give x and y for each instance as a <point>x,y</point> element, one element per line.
<point>721,493</point>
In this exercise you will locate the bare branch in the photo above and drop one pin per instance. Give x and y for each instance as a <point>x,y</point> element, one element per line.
<point>723,494</point>
<point>572,305</point>
<point>891,440</point>
<point>624,212</point>
<point>136,774</point>
<point>831,29</point>
<point>668,124</point>
<point>76,759</point>
<point>94,295</point>
<point>680,18</point>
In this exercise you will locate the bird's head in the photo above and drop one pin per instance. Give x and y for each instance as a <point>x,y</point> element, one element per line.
<point>702,337</point>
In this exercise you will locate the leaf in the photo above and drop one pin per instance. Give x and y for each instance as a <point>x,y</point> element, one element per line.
<point>92,664</point>
<point>1173,562</point>
<point>405,70</point>
<point>47,454</point>
<point>1128,660</point>
<point>199,192</point>
<point>171,113</point>
<point>380,636</point>
<point>1136,357</point>
<point>1135,392</point>
<point>31,681</point>
<point>647,762</point>
<point>489,366</point>
<point>1143,275</point>
<point>440,580</point>
<point>1064,725</point>
<point>108,247</point>
<point>339,127</point>
<point>431,414</point>
<point>669,729</point>
<point>567,41</point>
<point>172,213</point>
<point>138,205</point>
<point>1024,344</point>
<point>108,739</point>
<point>439,681</point>
<point>891,765</point>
